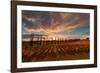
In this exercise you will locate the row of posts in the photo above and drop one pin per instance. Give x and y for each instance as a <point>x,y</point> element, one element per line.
<point>40,40</point>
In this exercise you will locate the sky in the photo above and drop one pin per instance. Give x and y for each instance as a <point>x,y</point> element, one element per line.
<point>63,24</point>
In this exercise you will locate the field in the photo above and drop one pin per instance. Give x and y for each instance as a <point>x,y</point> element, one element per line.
<point>55,50</point>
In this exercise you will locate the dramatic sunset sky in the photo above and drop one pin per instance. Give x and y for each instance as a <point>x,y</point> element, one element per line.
<point>64,24</point>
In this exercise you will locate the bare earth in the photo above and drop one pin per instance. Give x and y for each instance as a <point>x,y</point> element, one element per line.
<point>55,50</point>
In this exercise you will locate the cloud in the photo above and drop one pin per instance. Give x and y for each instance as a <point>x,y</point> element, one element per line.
<point>54,22</point>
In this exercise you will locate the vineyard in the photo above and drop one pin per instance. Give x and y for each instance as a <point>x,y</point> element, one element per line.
<point>55,50</point>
